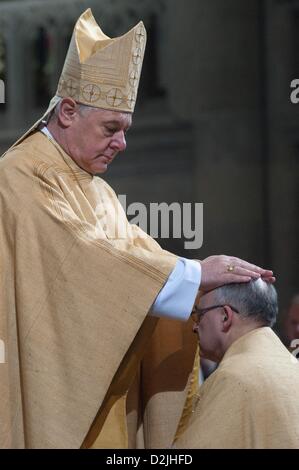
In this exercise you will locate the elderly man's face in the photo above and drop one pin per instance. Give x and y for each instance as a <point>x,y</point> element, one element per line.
<point>96,137</point>
<point>209,327</point>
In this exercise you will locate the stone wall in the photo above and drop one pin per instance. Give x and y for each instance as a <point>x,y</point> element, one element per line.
<point>213,124</point>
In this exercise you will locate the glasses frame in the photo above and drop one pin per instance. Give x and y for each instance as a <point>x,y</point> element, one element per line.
<point>198,313</point>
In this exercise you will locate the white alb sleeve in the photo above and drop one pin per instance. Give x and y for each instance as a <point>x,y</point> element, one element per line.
<point>176,298</point>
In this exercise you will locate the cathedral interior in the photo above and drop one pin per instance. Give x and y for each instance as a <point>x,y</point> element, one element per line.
<point>214,121</point>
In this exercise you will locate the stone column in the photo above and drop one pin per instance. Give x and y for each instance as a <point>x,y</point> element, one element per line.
<point>213,77</point>
<point>282,68</point>
<point>15,90</point>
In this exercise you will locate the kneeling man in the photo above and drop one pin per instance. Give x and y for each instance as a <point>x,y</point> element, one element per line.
<point>252,399</point>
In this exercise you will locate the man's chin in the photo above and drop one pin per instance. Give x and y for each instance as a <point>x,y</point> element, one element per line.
<point>100,169</point>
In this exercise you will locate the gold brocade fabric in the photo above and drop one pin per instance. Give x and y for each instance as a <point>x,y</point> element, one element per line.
<point>77,285</point>
<point>191,399</point>
<point>100,71</point>
<point>109,429</point>
<point>145,413</point>
<point>251,401</point>
<point>165,374</point>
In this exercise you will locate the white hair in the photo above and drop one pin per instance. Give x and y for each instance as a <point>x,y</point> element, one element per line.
<point>82,108</point>
<point>256,299</point>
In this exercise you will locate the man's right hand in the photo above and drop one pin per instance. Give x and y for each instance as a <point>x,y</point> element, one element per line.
<point>221,269</point>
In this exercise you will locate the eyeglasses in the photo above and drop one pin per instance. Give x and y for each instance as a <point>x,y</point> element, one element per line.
<point>198,313</point>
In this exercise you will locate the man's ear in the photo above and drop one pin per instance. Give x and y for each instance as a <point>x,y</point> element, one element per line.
<point>67,112</point>
<point>227,318</point>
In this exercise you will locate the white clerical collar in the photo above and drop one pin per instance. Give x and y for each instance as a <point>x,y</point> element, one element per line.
<point>46,131</point>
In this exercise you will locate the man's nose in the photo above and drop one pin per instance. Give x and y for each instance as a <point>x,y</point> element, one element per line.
<point>119,141</point>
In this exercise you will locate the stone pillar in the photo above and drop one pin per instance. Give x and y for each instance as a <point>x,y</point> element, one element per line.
<point>213,77</point>
<point>283,67</point>
<point>15,95</point>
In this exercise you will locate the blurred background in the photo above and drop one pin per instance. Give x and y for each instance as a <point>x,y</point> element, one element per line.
<point>213,123</point>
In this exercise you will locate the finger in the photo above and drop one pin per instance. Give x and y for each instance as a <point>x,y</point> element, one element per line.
<point>267,273</point>
<point>246,275</point>
<point>244,264</point>
<point>254,275</point>
<point>252,267</point>
<point>235,278</point>
<point>245,272</point>
<point>270,279</point>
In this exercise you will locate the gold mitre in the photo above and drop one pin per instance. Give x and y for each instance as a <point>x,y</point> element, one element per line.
<point>100,71</point>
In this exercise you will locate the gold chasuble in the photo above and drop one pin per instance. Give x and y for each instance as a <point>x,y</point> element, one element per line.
<point>251,401</point>
<point>77,282</point>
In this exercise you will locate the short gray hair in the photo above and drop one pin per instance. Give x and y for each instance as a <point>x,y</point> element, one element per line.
<point>85,109</point>
<point>256,299</point>
<point>82,108</point>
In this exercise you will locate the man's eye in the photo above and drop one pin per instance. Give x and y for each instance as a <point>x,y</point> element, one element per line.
<point>110,129</point>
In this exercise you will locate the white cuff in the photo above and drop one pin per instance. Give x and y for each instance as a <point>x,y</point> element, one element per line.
<point>177,297</point>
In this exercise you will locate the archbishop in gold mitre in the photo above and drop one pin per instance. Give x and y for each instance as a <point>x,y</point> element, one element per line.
<point>74,297</point>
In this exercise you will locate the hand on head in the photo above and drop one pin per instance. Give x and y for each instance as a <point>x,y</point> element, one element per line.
<point>221,269</point>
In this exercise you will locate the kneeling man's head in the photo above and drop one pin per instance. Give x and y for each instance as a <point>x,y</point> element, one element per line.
<point>230,311</point>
